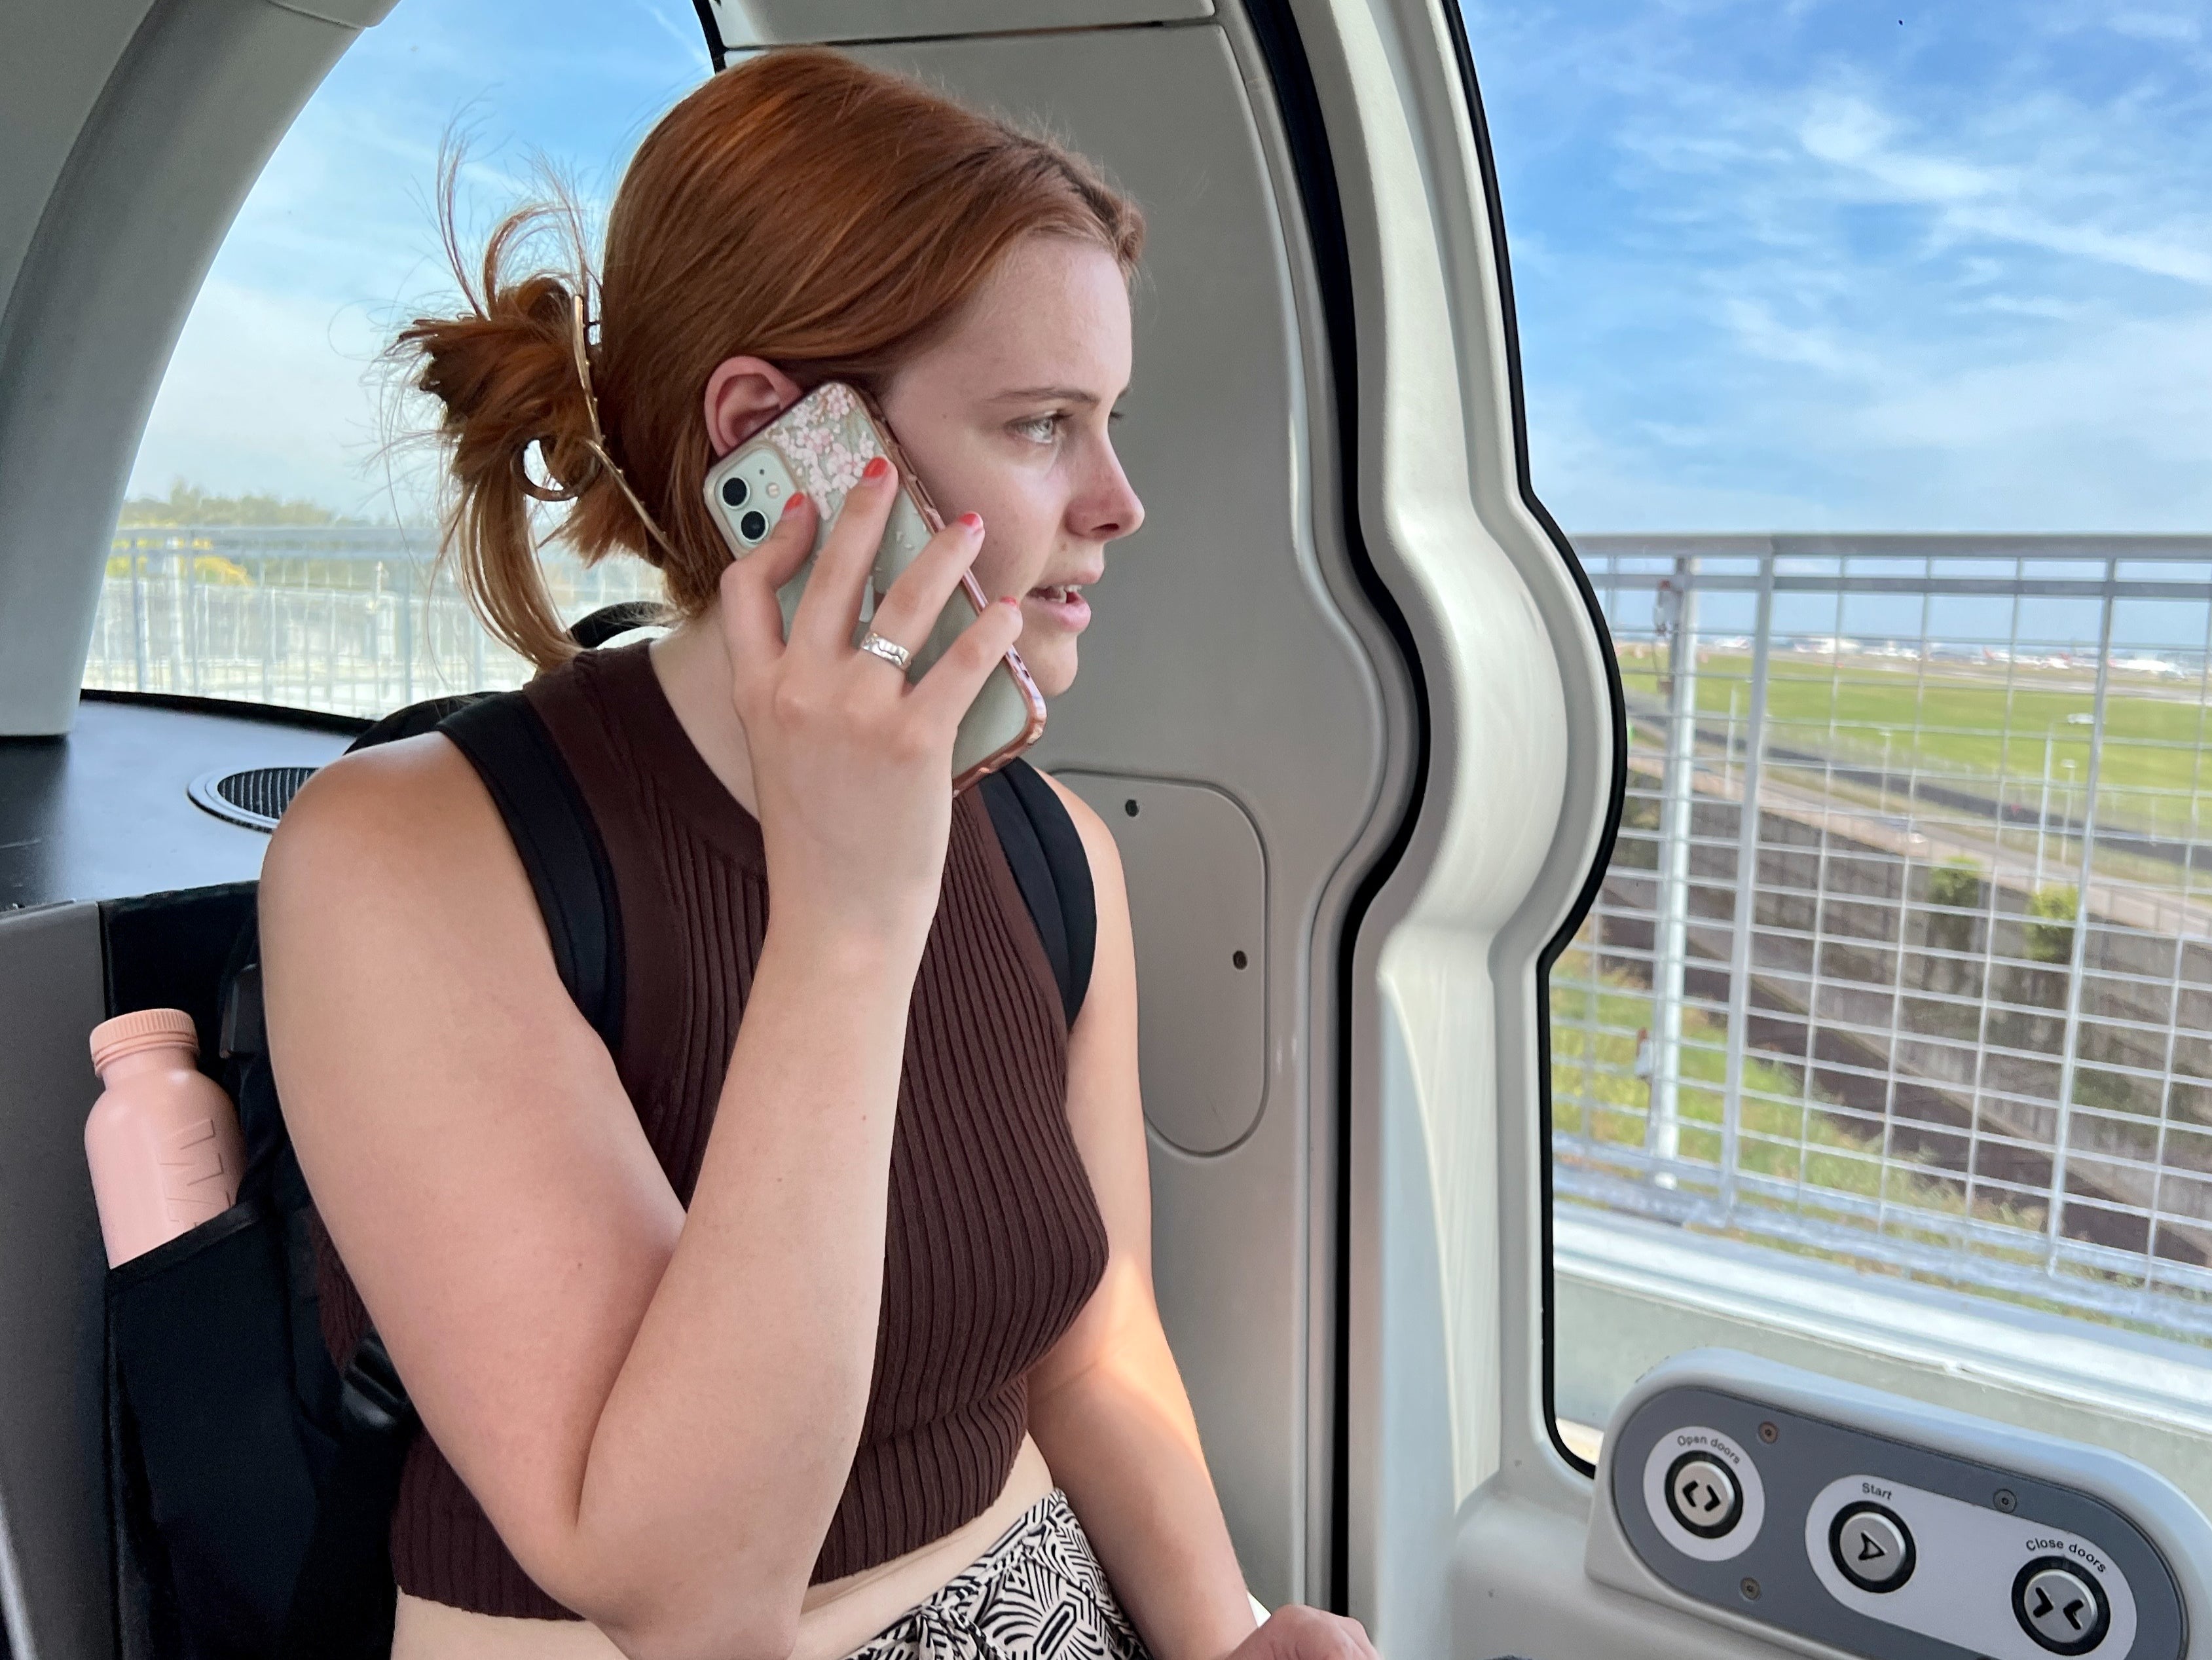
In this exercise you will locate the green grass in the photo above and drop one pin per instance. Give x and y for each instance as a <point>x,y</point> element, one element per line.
<point>1964,720</point>
<point>1787,1130</point>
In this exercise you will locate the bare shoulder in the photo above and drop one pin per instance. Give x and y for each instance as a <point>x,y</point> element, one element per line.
<point>391,890</point>
<point>411,812</point>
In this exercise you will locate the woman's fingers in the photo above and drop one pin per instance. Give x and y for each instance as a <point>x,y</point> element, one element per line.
<point>752,621</point>
<point>944,693</point>
<point>831,604</point>
<point>1298,1632</point>
<point>820,641</point>
<point>909,612</point>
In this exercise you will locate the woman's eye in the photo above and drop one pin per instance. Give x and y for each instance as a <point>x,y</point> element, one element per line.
<point>1038,428</point>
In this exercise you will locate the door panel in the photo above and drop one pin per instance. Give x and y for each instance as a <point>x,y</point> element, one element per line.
<point>1198,910</point>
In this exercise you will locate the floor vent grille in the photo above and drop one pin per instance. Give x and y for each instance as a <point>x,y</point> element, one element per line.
<point>254,796</point>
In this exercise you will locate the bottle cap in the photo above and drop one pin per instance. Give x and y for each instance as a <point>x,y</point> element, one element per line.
<point>146,1029</point>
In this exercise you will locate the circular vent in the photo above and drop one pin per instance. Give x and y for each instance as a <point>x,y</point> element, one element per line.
<point>255,796</point>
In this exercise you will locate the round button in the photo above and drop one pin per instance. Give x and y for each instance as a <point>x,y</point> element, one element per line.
<point>2060,1607</point>
<point>1872,1546</point>
<point>1703,1496</point>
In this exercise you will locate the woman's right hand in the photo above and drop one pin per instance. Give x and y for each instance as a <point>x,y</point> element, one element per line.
<point>1298,1632</point>
<point>852,764</point>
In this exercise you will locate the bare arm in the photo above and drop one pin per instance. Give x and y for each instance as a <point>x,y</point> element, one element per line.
<point>657,1409</point>
<point>1107,1404</point>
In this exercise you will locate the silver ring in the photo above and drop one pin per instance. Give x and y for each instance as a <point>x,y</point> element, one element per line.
<point>890,650</point>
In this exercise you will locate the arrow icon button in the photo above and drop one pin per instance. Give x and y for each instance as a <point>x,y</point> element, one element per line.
<point>1872,1547</point>
<point>2060,1607</point>
<point>1703,1496</point>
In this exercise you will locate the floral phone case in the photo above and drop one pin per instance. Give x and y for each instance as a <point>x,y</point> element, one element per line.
<point>820,445</point>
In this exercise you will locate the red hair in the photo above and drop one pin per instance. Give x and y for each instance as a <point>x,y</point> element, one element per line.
<point>801,208</point>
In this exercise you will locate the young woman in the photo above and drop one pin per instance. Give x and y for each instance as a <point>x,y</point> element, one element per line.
<point>818,1321</point>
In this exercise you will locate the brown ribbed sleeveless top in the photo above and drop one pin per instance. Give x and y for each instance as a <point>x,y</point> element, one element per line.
<point>994,1239</point>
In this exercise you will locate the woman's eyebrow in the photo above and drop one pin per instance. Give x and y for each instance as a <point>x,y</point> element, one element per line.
<point>1054,395</point>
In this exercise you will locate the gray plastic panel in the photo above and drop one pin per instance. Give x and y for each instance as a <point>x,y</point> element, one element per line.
<point>1978,1505</point>
<point>749,23</point>
<point>1198,908</point>
<point>50,78</point>
<point>53,1512</point>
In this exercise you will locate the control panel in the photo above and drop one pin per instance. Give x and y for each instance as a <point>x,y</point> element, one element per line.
<point>1802,1518</point>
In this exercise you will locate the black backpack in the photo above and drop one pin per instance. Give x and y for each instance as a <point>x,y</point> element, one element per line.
<point>252,1482</point>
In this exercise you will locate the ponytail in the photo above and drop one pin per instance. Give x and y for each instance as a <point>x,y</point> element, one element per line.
<point>513,373</point>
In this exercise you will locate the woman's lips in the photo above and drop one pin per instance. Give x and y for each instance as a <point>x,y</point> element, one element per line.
<point>1061,603</point>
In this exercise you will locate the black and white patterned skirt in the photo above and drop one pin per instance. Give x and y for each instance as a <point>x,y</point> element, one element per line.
<point>1039,1594</point>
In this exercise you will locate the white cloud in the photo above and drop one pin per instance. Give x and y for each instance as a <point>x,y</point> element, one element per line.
<point>1598,481</point>
<point>2146,388</point>
<point>269,391</point>
<point>1762,334</point>
<point>2154,256</point>
<point>1852,133</point>
<point>1975,199</point>
<point>2167,27</point>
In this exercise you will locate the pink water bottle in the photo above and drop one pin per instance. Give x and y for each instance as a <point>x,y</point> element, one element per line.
<point>163,1140</point>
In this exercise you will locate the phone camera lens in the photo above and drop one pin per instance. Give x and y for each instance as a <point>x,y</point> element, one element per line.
<point>753,526</point>
<point>734,491</point>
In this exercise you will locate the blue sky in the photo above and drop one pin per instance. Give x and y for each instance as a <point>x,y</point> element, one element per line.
<point>275,384</point>
<point>1857,265</point>
<point>1780,263</point>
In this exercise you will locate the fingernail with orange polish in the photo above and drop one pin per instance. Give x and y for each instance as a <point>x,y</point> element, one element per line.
<point>798,501</point>
<point>877,467</point>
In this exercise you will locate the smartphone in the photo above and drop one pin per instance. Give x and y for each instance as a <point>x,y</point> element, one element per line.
<point>819,444</point>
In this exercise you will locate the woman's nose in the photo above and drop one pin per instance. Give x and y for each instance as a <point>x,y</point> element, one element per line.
<point>1110,508</point>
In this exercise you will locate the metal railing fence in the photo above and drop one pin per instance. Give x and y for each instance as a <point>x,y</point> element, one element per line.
<point>1905,954</point>
<point>339,619</point>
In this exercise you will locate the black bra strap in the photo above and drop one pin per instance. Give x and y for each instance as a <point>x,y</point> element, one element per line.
<point>1052,871</point>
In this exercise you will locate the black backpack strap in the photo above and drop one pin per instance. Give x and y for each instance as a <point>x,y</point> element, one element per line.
<point>1050,867</point>
<point>414,719</point>
<point>343,1601</point>
<point>342,1604</point>
<point>505,740</point>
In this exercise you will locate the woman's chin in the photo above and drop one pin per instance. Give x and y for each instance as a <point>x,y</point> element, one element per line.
<point>1053,669</point>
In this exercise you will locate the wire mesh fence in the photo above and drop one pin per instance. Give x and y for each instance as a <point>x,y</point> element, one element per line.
<point>1945,1009</point>
<point>1904,957</point>
<point>339,619</point>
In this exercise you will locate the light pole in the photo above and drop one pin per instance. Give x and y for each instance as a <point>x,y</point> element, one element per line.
<point>2043,812</point>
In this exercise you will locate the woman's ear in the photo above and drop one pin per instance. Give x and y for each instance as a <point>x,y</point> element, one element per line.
<point>744,394</point>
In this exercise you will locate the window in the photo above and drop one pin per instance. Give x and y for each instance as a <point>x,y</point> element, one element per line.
<point>1865,357</point>
<point>274,546</point>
